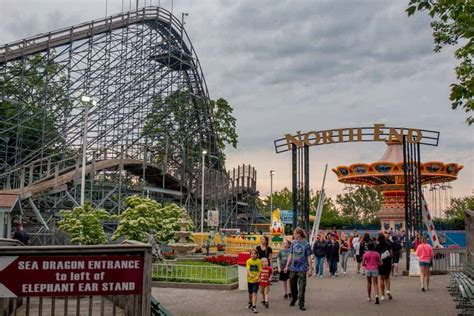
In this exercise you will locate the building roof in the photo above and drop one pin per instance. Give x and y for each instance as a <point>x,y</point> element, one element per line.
<point>7,202</point>
<point>393,153</point>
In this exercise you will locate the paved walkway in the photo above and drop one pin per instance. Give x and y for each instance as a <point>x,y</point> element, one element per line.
<point>343,295</point>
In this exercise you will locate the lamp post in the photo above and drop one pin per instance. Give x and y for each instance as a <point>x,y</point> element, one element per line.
<point>183,14</point>
<point>87,102</point>
<point>204,153</point>
<point>272,172</point>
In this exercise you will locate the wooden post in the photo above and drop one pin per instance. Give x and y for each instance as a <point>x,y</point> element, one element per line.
<point>469,228</point>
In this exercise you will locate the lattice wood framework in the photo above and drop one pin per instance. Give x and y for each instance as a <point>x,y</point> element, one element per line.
<point>128,63</point>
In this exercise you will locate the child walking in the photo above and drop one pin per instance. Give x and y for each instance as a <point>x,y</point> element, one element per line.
<point>425,254</point>
<point>282,259</point>
<point>371,262</point>
<point>265,279</point>
<point>254,267</point>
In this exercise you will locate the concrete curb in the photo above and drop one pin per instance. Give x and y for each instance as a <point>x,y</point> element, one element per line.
<point>202,286</point>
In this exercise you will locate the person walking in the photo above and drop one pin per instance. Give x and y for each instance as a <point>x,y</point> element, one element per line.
<point>351,245</point>
<point>397,254</point>
<point>319,252</point>
<point>364,247</point>
<point>344,253</point>
<point>21,235</point>
<point>264,280</point>
<point>334,233</point>
<point>282,259</point>
<point>383,248</point>
<point>358,256</point>
<point>424,252</point>
<point>254,267</point>
<point>371,262</point>
<point>333,256</point>
<point>328,241</point>
<point>264,250</point>
<point>300,267</point>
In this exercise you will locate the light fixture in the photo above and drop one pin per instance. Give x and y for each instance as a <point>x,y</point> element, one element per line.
<point>204,152</point>
<point>85,98</point>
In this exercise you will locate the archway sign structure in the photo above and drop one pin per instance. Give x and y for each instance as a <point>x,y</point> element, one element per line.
<point>411,138</point>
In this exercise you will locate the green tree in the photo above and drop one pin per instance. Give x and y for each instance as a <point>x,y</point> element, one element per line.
<point>458,206</point>
<point>328,202</point>
<point>33,100</point>
<point>224,123</point>
<point>363,203</point>
<point>283,200</point>
<point>144,216</point>
<point>453,24</point>
<point>84,225</point>
<point>331,216</point>
<point>174,120</point>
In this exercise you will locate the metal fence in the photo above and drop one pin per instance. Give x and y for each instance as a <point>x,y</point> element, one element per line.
<point>77,305</point>
<point>195,273</point>
<point>449,259</point>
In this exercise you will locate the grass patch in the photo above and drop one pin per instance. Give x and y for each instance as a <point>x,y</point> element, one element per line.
<point>195,272</point>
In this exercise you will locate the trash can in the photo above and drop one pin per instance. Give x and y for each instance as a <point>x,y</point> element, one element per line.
<point>242,269</point>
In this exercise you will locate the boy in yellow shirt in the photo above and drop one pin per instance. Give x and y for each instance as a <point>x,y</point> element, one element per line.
<point>254,267</point>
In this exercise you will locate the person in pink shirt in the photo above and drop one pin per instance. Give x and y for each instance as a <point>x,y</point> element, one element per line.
<point>424,253</point>
<point>371,261</point>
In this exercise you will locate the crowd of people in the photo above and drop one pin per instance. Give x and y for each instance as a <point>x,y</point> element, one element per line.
<point>377,258</point>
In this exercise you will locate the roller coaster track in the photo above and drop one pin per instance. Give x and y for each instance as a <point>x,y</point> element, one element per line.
<point>54,182</point>
<point>43,42</point>
<point>135,65</point>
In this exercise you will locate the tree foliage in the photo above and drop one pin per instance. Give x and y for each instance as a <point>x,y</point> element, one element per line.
<point>357,209</point>
<point>453,24</point>
<point>32,105</point>
<point>283,200</point>
<point>362,203</point>
<point>84,225</point>
<point>458,206</point>
<point>144,216</point>
<point>224,123</point>
<point>174,119</point>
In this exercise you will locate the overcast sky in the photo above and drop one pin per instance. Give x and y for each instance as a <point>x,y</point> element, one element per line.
<point>302,65</point>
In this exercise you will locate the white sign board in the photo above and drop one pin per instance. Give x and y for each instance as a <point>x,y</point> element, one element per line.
<point>414,265</point>
<point>212,218</point>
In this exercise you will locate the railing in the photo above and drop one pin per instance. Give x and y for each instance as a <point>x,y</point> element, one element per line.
<point>158,309</point>
<point>449,260</point>
<point>195,273</point>
<point>54,166</point>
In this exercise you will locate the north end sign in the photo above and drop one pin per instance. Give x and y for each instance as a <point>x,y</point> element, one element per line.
<point>377,133</point>
<point>71,275</point>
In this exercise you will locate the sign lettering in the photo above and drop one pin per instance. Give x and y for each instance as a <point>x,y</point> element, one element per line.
<point>70,275</point>
<point>377,133</point>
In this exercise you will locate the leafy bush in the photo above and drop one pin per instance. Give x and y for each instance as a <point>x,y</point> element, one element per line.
<point>144,216</point>
<point>84,225</point>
